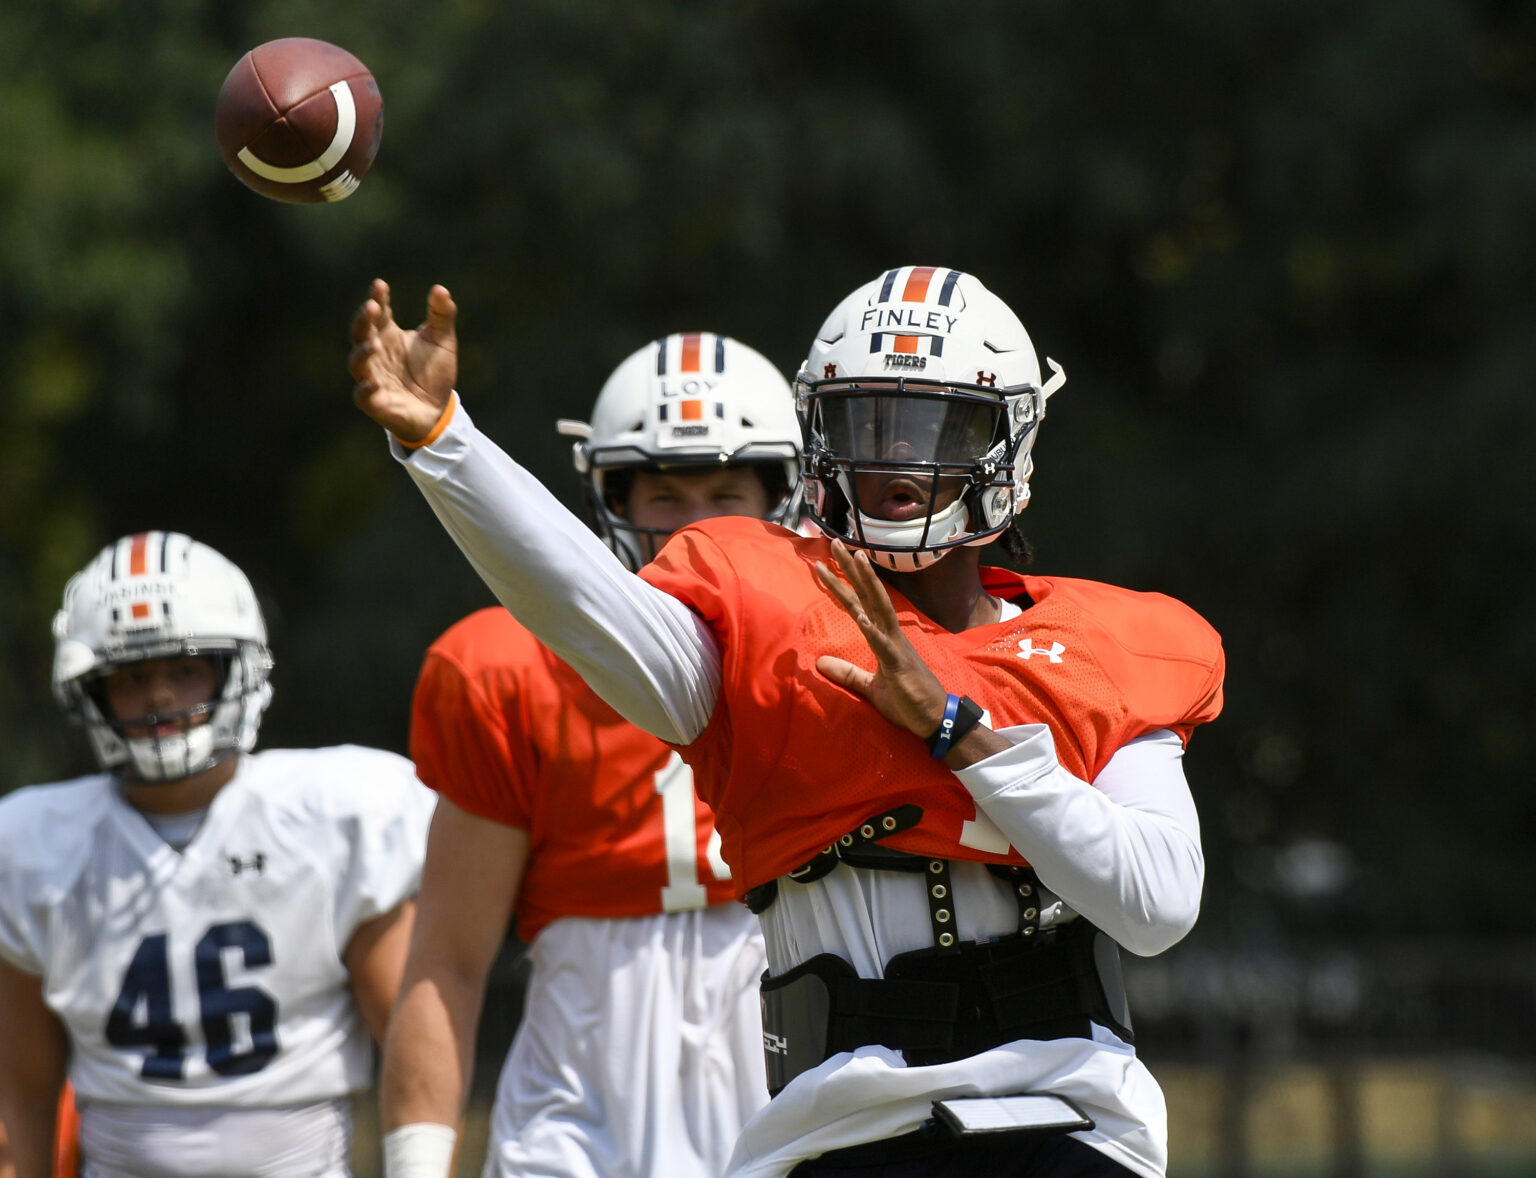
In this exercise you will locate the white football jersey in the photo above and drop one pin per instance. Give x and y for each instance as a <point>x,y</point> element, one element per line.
<point>212,976</point>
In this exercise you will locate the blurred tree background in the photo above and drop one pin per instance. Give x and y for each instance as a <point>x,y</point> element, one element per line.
<point>1285,251</point>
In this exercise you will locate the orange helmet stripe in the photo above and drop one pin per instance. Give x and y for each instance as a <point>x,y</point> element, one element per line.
<point>917,284</point>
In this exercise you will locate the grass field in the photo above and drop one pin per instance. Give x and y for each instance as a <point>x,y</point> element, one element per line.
<point>1386,1119</point>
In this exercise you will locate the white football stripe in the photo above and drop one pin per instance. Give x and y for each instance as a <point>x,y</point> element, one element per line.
<point>346,123</point>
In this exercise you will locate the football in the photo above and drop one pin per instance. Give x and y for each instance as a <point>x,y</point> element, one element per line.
<point>299,120</point>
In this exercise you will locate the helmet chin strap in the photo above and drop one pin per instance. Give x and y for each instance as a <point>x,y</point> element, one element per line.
<point>163,759</point>
<point>946,526</point>
<point>906,562</point>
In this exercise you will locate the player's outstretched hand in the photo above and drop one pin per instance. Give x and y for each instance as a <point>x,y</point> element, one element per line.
<point>901,686</point>
<point>404,379</point>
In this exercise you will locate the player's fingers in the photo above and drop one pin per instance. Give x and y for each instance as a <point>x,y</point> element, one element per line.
<point>379,295</point>
<point>855,566</point>
<point>867,585</point>
<point>888,650</point>
<point>872,592</point>
<point>884,639</point>
<point>850,569</point>
<point>357,361</point>
<point>441,311</point>
<point>363,320</point>
<point>838,588</point>
<point>845,674</point>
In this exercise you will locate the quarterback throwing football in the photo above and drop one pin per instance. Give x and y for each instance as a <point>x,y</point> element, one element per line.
<point>202,935</point>
<point>946,849</point>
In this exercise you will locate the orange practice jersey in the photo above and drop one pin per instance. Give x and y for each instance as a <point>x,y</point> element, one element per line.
<point>506,730</point>
<point>790,761</point>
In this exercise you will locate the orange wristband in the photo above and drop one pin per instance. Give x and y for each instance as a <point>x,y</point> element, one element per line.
<point>437,430</point>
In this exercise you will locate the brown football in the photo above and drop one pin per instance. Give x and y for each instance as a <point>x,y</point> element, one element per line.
<point>299,120</point>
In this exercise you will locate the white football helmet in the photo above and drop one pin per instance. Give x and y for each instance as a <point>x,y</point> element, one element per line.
<point>926,374</point>
<point>689,400</point>
<point>162,595</point>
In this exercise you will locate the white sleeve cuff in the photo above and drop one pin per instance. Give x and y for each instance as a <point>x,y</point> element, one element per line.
<point>421,1150</point>
<point>1032,755</point>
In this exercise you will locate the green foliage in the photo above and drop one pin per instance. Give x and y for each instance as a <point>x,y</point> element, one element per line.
<point>1284,251</point>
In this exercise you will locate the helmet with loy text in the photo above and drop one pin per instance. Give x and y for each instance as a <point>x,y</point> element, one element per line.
<point>162,595</point>
<point>922,389</point>
<point>693,401</point>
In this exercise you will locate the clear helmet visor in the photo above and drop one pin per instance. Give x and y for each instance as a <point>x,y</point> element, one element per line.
<point>881,427</point>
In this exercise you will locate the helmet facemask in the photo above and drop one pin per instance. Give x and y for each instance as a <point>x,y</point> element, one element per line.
<point>950,449</point>
<point>205,734</point>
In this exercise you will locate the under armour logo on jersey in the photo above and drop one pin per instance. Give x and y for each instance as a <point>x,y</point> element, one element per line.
<point>1028,650</point>
<point>256,863</point>
<point>777,1044</point>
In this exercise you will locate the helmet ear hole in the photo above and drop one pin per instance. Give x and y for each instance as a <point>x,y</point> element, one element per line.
<point>775,480</point>
<point>92,688</point>
<point>616,485</point>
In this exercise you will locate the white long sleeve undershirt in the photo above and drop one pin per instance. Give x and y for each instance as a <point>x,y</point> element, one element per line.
<point>646,653</point>
<point>1124,851</point>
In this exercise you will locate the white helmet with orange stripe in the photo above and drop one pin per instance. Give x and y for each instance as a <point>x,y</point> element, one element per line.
<point>162,595</point>
<point>693,400</point>
<point>923,389</point>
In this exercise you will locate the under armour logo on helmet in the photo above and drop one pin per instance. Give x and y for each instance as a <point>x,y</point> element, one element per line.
<point>986,378</point>
<point>828,371</point>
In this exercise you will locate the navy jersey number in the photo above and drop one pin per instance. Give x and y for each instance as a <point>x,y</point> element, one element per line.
<point>142,1018</point>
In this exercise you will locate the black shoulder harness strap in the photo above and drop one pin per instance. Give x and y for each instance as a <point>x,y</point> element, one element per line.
<point>861,848</point>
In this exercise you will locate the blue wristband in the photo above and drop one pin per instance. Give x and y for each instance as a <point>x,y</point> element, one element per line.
<point>938,743</point>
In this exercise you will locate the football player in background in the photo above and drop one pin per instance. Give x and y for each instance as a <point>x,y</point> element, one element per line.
<point>640,1048</point>
<point>203,936</point>
<point>946,850</point>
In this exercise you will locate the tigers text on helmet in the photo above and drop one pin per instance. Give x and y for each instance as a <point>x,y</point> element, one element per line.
<point>924,381</point>
<point>162,595</point>
<point>693,400</point>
